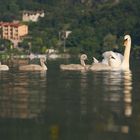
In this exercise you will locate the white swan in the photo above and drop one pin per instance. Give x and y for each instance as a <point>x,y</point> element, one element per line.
<point>81,66</point>
<point>114,61</point>
<point>3,67</point>
<point>35,67</point>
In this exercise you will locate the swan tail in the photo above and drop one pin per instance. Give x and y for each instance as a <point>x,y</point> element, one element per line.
<point>95,60</point>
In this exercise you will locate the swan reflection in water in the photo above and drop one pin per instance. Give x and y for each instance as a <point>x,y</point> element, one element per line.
<point>107,97</point>
<point>119,85</point>
<point>117,82</point>
<point>21,96</point>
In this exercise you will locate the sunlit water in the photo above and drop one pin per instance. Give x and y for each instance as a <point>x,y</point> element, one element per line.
<point>70,105</point>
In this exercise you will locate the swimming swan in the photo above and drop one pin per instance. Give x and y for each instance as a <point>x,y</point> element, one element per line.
<point>114,61</point>
<point>35,67</point>
<point>81,66</point>
<point>3,67</point>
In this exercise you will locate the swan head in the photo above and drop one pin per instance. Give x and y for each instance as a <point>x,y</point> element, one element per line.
<point>43,63</point>
<point>127,39</point>
<point>43,59</point>
<point>83,57</point>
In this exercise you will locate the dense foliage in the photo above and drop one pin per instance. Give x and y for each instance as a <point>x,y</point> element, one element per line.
<point>96,25</point>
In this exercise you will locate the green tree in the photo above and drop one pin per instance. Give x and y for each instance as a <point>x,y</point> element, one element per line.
<point>109,42</point>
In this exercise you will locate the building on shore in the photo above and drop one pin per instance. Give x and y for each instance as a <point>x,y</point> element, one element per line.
<point>32,15</point>
<point>13,31</point>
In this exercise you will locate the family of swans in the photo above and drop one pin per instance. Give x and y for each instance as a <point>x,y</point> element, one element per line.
<point>111,61</point>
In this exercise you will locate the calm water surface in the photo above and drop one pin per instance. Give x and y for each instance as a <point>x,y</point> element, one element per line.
<point>62,105</point>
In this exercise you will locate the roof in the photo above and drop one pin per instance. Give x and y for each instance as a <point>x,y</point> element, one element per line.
<point>13,24</point>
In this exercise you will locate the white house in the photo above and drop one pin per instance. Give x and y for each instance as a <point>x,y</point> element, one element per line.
<point>32,15</point>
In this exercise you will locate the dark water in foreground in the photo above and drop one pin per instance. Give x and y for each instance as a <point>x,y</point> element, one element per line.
<point>62,105</point>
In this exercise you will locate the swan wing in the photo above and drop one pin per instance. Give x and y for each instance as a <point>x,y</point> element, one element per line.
<point>106,56</point>
<point>118,58</point>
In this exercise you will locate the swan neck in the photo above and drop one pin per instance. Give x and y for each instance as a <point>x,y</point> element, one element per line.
<point>125,63</point>
<point>82,62</point>
<point>43,66</point>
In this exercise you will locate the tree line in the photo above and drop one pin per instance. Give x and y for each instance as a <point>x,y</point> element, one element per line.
<point>96,25</point>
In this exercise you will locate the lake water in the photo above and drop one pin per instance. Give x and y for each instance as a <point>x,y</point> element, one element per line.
<point>70,105</point>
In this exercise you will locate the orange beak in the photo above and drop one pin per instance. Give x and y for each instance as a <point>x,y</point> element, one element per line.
<point>125,42</point>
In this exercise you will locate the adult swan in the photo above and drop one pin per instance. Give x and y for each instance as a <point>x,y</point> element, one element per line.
<point>115,61</point>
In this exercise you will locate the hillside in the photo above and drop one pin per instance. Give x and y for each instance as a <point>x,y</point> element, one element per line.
<point>96,25</point>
